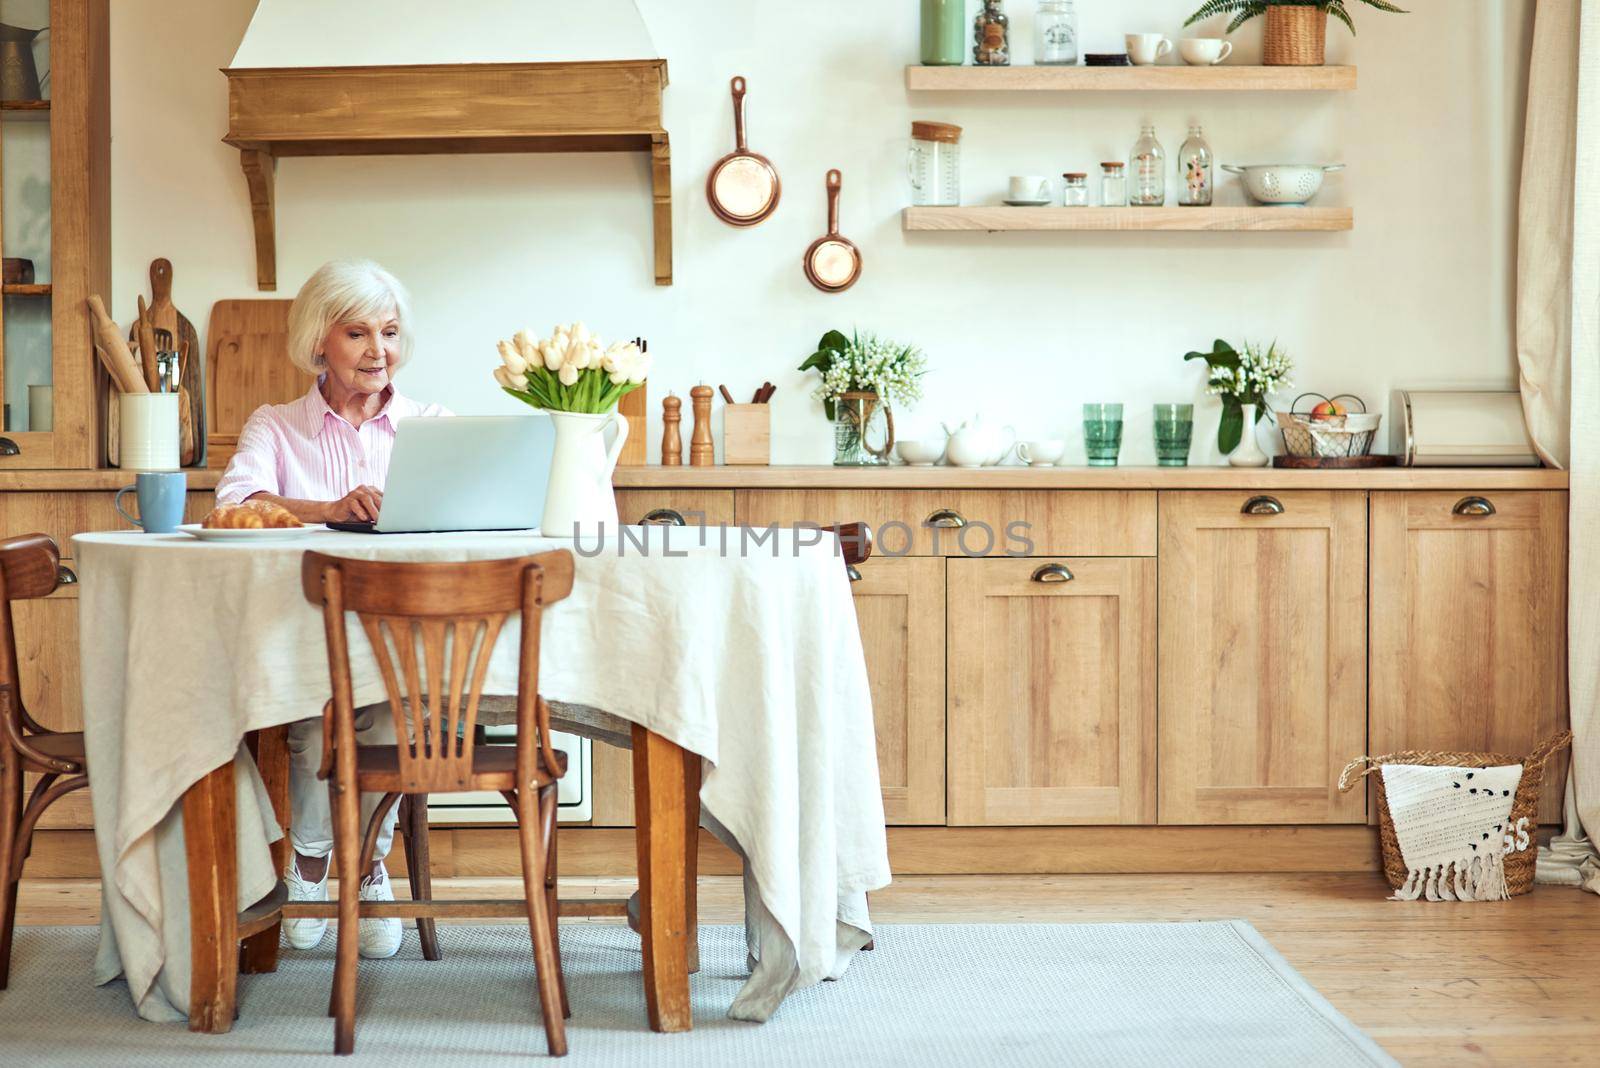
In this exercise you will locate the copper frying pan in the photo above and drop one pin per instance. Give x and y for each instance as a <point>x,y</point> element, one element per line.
<point>833,263</point>
<point>743,187</point>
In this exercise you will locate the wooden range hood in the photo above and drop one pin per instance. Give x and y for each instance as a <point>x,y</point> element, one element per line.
<point>603,106</point>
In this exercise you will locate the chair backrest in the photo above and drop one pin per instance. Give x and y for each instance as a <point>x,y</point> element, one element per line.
<point>433,629</point>
<point>29,567</point>
<point>855,542</point>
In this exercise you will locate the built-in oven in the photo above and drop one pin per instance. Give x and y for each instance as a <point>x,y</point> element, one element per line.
<point>486,807</point>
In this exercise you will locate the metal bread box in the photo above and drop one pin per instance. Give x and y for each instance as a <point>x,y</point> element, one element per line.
<point>1461,428</point>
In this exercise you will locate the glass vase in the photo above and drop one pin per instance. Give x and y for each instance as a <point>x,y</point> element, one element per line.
<point>858,418</point>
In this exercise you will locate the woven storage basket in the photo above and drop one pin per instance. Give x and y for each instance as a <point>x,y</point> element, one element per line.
<point>1297,36</point>
<point>1519,865</point>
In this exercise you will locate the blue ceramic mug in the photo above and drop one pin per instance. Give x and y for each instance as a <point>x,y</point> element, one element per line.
<point>161,499</point>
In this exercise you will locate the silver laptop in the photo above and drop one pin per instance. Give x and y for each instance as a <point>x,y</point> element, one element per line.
<point>464,473</point>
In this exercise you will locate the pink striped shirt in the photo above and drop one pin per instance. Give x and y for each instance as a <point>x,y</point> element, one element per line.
<point>307,451</point>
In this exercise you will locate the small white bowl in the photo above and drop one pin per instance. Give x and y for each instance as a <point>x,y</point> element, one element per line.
<point>919,453</point>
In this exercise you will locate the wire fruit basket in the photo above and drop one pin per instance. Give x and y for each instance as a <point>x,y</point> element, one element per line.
<point>1308,434</point>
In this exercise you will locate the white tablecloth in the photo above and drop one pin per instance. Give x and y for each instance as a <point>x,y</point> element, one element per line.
<point>752,660</point>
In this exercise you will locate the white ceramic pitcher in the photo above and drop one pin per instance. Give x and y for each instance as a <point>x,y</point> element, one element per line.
<point>579,497</point>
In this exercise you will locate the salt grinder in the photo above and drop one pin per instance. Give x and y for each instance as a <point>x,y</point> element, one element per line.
<point>671,439</point>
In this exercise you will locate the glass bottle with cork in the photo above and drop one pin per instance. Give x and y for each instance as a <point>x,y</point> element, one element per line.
<point>1194,170</point>
<point>1147,167</point>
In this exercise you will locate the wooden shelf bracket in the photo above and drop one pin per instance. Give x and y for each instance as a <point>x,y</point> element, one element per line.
<point>260,169</point>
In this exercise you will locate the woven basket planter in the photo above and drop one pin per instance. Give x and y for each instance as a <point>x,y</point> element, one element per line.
<point>1519,865</point>
<point>1297,36</point>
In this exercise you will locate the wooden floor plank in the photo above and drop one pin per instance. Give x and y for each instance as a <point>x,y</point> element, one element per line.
<point>1511,983</point>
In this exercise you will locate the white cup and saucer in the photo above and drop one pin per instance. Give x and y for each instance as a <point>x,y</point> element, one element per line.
<point>1030,191</point>
<point>1204,51</point>
<point>1046,452</point>
<point>1146,49</point>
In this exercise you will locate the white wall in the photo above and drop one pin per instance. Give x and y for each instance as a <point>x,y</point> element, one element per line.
<point>1022,326</point>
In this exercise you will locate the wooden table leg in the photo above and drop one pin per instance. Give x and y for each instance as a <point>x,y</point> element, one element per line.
<point>209,838</point>
<point>259,952</point>
<point>659,804</point>
<point>691,857</point>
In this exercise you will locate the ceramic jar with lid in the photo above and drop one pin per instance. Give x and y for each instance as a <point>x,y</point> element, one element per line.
<point>934,164</point>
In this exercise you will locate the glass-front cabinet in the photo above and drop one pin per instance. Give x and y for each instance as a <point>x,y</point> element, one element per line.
<point>54,227</point>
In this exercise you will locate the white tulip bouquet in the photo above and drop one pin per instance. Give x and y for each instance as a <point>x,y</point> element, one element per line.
<point>570,371</point>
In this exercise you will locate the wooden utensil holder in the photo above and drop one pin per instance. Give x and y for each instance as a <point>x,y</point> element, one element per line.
<point>747,434</point>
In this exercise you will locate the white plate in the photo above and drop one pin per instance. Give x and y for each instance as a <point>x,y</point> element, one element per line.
<point>195,530</point>
<point>1029,203</point>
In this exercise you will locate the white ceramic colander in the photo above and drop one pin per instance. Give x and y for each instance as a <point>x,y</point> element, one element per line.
<point>1283,183</point>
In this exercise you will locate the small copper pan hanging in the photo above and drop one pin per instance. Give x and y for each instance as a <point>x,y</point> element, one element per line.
<point>743,187</point>
<point>833,263</point>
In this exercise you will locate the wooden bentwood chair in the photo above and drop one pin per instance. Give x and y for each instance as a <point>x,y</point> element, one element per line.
<point>29,568</point>
<point>441,611</point>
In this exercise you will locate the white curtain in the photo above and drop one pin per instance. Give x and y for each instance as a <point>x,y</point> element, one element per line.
<point>1558,352</point>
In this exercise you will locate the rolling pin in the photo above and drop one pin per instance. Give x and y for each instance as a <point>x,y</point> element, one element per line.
<point>114,355</point>
<point>147,348</point>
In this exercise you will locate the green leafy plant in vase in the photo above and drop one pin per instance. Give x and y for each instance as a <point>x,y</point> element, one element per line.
<point>862,376</point>
<point>1244,380</point>
<point>1296,33</point>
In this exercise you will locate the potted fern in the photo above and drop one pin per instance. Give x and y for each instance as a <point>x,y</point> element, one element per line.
<point>1297,30</point>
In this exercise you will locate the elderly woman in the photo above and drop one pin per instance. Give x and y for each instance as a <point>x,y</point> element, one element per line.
<point>325,458</point>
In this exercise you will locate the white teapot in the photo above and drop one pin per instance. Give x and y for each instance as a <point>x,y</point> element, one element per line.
<point>975,443</point>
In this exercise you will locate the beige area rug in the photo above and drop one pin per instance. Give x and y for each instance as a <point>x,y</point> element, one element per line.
<point>1045,995</point>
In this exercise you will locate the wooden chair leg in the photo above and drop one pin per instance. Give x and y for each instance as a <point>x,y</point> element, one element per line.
<point>347,851</point>
<point>548,802</point>
<point>529,830</point>
<point>10,819</point>
<point>691,859</point>
<point>414,838</point>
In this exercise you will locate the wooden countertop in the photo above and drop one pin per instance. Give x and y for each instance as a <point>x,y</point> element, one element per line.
<point>80,481</point>
<point>899,477</point>
<point>1106,478</point>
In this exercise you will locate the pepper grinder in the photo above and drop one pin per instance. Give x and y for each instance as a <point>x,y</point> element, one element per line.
<point>671,439</point>
<point>701,453</point>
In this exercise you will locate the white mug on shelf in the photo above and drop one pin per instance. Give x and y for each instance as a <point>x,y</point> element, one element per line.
<point>1045,453</point>
<point>1034,187</point>
<point>149,432</point>
<point>1144,49</point>
<point>1204,51</point>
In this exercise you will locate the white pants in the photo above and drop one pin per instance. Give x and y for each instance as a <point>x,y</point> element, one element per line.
<point>311,822</point>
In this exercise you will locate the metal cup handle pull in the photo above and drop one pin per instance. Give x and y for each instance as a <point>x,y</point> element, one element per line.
<point>1473,506</point>
<point>1262,505</point>
<point>1053,573</point>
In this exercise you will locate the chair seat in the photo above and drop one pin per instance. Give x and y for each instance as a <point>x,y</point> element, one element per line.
<point>494,767</point>
<point>63,746</point>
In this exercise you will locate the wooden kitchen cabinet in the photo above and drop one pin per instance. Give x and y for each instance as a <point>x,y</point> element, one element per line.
<point>693,507</point>
<point>1052,675</point>
<point>900,608</point>
<point>1263,655</point>
<point>1469,624</point>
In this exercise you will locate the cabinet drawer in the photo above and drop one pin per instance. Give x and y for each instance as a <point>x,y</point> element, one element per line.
<point>972,522</point>
<point>695,507</point>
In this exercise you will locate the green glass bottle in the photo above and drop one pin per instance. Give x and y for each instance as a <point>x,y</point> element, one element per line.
<point>944,33</point>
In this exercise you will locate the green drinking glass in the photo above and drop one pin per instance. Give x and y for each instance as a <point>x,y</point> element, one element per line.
<point>1174,429</point>
<point>1102,433</point>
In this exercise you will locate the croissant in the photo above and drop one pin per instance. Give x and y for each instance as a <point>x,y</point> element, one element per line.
<point>251,515</point>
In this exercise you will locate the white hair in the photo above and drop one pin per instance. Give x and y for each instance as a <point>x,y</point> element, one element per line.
<point>343,291</point>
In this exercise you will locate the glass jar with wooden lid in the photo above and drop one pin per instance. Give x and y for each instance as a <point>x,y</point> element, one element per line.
<point>934,164</point>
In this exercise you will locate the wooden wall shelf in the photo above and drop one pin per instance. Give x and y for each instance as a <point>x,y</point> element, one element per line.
<point>1000,218</point>
<point>446,109</point>
<point>1219,79</point>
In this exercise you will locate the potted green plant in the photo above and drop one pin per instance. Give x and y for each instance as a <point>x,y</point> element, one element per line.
<point>1244,380</point>
<point>1297,30</point>
<point>861,376</point>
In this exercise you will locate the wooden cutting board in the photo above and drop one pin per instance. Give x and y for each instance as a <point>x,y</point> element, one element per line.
<point>247,365</point>
<point>164,315</point>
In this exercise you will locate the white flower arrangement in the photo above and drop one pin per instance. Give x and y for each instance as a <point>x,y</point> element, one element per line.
<point>866,363</point>
<point>570,371</point>
<point>1240,378</point>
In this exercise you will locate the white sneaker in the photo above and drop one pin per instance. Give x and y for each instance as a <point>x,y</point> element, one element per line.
<point>305,933</point>
<point>379,938</point>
